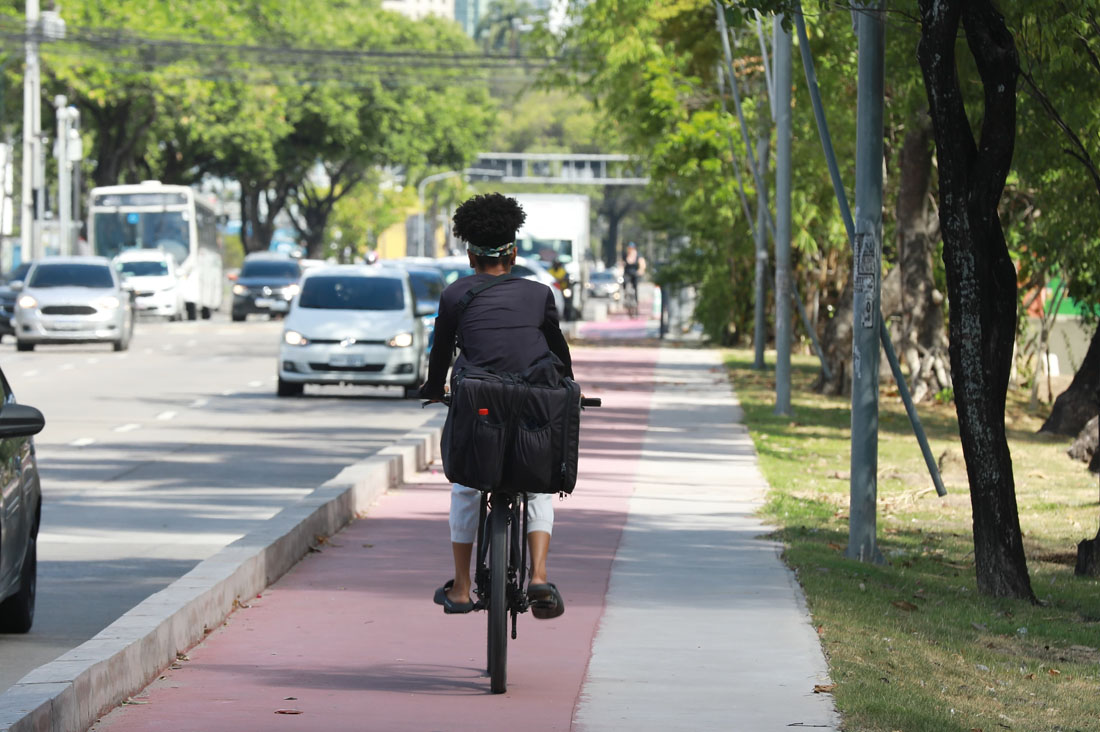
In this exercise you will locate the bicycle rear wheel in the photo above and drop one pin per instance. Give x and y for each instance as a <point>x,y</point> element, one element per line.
<point>498,600</point>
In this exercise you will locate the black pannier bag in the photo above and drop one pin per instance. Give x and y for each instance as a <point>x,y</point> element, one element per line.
<point>517,433</point>
<point>512,432</point>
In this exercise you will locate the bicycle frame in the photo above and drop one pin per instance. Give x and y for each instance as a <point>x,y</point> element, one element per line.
<point>516,506</point>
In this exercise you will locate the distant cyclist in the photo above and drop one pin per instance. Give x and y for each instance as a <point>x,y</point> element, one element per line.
<point>506,328</point>
<point>633,268</point>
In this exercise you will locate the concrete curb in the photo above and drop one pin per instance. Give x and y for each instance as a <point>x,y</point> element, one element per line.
<point>72,692</point>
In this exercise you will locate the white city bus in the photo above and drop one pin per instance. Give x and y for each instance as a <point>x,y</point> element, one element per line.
<point>151,215</point>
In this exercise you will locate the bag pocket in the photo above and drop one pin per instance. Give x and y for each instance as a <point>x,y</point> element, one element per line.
<point>531,461</point>
<point>487,455</point>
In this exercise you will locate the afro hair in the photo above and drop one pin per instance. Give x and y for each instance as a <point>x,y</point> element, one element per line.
<point>488,220</point>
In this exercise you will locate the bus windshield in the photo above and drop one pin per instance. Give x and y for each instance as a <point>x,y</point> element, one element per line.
<point>117,231</point>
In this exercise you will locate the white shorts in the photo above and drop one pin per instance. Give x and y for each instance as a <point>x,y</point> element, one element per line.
<point>466,503</point>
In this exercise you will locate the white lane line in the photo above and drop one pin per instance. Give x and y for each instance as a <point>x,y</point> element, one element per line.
<point>228,392</point>
<point>82,442</point>
<point>93,360</point>
<point>255,384</point>
<point>191,343</point>
<point>167,347</point>
<point>165,416</point>
<point>147,350</point>
<point>32,372</point>
<point>128,427</point>
<point>198,403</point>
<point>67,367</point>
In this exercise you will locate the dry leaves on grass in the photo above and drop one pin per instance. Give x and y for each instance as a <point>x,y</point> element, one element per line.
<point>824,688</point>
<point>904,605</point>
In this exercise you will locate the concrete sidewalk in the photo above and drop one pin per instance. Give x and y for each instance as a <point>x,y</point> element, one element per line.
<point>678,617</point>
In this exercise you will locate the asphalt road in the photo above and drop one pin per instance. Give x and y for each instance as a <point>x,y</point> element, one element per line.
<point>154,459</point>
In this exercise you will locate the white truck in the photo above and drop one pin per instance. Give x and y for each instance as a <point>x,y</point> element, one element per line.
<point>557,227</point>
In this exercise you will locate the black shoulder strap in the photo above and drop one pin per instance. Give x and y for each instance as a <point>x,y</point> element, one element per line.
<point>473,292</point>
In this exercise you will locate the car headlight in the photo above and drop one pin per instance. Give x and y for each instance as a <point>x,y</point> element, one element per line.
<point>291,290</point>
<point>108,303</point>
<point>401,340</point>
<point>240,290</point>
<point>27,302</point>
<point>294,338</point>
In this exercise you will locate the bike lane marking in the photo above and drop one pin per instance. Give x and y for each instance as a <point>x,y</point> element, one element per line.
<point>350,637</point>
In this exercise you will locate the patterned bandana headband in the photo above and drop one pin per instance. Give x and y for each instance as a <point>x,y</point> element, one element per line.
<point>497,251</point>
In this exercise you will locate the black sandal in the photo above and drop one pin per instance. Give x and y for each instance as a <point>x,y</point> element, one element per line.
<point>545,600</point>
<point>450,607</point>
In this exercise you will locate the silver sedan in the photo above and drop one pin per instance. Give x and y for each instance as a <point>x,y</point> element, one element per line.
<point>73,300</point>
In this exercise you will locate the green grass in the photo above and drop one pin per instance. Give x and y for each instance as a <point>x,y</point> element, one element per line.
<point>911,645</point>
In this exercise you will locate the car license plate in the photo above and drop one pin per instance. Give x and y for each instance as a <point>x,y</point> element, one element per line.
<point>347,360</point>
<point>264,302</point>
<point>67,326</point>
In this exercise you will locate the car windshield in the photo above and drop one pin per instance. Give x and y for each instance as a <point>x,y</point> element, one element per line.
<point>450,274</point>
<point>287,270</point>
<point>72,275</point>
<point>144,269</point>
<point>546,250</point>
<point>427,286</point>
<point>352,293</point>
<point>19,273</point>
<point>115,232</point>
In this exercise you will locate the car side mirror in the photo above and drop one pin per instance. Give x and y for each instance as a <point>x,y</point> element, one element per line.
<point>19,420</point>
<point>426,308</point>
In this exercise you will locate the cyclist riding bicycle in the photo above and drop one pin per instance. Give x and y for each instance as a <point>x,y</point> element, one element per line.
<point>633,266</point>
<point>506,328</point>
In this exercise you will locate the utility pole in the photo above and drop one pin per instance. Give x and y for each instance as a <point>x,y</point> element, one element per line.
<point>867,253</point>
<point>28,229</point>
<point>760,325</point>
<point>68,151</point>
<point>782,50</point>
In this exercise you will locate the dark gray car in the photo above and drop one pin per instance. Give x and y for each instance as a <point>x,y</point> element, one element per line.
<point>20,512</point>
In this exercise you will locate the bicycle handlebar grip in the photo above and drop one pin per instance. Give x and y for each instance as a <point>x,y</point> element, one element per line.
<point>591,402</point>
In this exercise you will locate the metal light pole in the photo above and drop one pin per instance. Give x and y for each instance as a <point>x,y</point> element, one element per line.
<point>31,97</point>
<point>422,245</point>
<point>64,183</point>
<point>760,325</point>
<point>782,46</point>
<point>867,252</point>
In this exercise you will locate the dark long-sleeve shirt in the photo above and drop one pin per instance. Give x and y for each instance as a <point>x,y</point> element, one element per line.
<point>507,327</point>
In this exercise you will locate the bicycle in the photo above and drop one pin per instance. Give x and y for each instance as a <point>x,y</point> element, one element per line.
<point>630,297</point>
<point>500,573</point>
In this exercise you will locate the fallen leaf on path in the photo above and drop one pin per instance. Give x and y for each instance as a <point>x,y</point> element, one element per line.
<point>288,711</point>
<point>824,688</point>
<point>1054,672</point>
<point>904,605</point>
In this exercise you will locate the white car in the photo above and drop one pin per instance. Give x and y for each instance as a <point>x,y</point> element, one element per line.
<point>529,269</point>
<point>354,324</point>
<point>73,300</point>
<point>152,276</point>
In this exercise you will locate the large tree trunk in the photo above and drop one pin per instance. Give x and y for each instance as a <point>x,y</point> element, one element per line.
<point>836,342</point>
<point>909,290</point>
<point>981,279</point>
<point>1079,403</point>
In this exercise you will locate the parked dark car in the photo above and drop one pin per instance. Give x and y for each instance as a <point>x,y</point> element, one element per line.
<point>265,285</point>
<point>20,512</point>
<point>8,297</point>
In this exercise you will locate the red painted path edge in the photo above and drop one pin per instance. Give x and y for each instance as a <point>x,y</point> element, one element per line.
<point>350,640</point>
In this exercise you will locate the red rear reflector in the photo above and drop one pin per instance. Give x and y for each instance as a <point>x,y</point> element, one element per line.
<point>483,412</point>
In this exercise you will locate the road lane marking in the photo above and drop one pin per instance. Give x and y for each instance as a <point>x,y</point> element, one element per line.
<point>199,403</point>
<point>227,392</point>
<point>167,347</point>
<point>191,343</point>
<point>68,367</point>
<point>164,416</point>
<point>147,350</point>
<point>255,384</point>
<point>82,442</point>
<point>32,372</point>
<point>93,361</point>
<point>128,427</point>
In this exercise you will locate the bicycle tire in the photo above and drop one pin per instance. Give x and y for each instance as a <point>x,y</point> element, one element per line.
<point>498,600</point>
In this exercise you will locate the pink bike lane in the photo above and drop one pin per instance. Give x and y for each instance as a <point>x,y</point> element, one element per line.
<point>350,640</point>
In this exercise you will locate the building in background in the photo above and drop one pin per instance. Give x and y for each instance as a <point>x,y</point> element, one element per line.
<point>469,13</point>
<point>417,9</point>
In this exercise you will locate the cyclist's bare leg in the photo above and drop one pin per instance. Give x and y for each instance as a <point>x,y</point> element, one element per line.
<point>460,591</point>
<point>539,544</point>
